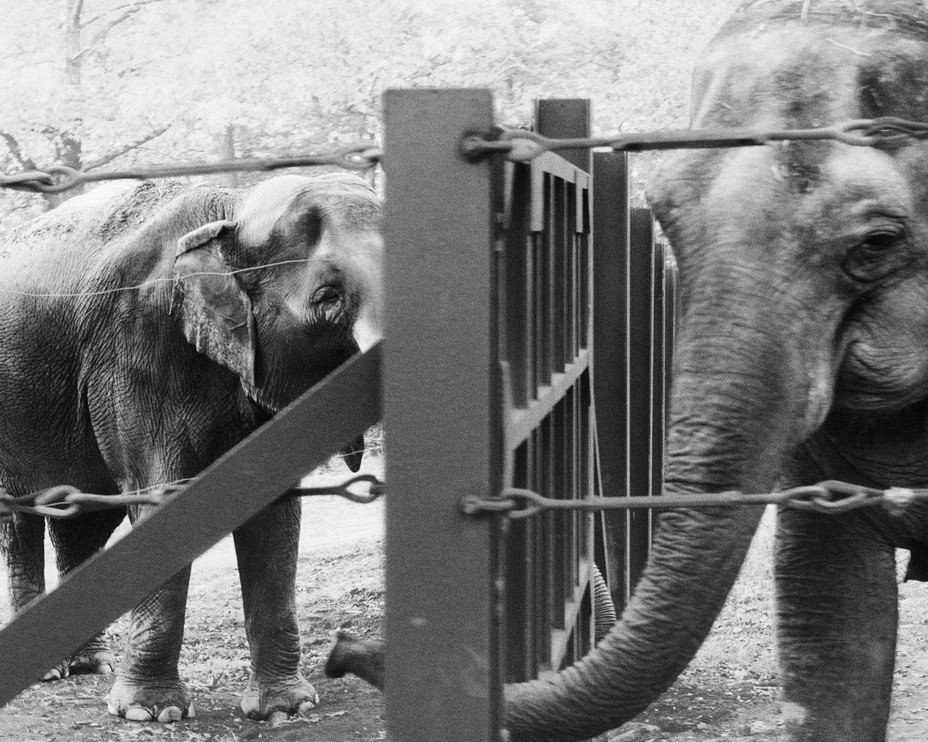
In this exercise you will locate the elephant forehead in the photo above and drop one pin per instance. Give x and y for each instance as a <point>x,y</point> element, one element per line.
<point>909,16</point>
<point>810,74</point>
<point>274,199</point>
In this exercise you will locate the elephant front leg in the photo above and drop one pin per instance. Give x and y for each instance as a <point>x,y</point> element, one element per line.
<point>148,686</point>
<point>23,540</point>
<point>75,541</point>
<point>266,549</point>
<point>836,620</point>
<point>23,544</point>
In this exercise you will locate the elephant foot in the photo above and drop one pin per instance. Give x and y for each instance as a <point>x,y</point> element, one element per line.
<point>94,658</point>
<point>361,657</point>
<point>58,672</point>
<point>278,700</point>
<point>163,701</point>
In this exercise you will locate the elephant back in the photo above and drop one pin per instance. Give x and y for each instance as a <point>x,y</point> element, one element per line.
<point>89,220</point>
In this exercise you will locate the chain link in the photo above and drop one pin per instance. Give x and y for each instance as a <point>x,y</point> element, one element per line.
<point>65,501</point>
<point>58,178</point>
<point>828,497</point>
<point>523,146</point>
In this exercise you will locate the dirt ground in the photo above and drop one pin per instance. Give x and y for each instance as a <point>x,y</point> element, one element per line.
<point>728,693</point>
<point>340,585</point>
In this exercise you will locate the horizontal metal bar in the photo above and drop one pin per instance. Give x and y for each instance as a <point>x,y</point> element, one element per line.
<point>243,482</point>
<point>523,420</point>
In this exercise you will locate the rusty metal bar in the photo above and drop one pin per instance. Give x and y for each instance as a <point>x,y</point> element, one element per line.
<point>440,390</point>
<point>244,481</point>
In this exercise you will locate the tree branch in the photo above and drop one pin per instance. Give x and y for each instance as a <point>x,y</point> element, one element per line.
<point>131,6</point>
<point>74,13</point>
<point>100,35</point>
<point>16,151</point>
<point>117,153</point>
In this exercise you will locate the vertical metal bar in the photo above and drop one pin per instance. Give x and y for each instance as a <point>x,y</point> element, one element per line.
<point>571,281</point>
<point>518,314</point>
<point>543,564</point>
<point>560,544</point>
<point>520,598</point>
<point>670,333</point>
<point>443,679</point>
<point>609,268</point>
<point>558,306</point>
<point>640,286</point>
<point>658,352</point>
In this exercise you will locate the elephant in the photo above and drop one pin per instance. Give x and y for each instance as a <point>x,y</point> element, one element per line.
<point>147,329</point>
<point>801,356</point>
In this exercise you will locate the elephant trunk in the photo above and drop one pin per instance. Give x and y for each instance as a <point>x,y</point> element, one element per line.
<point>736,409</point>
<point>748,386</point>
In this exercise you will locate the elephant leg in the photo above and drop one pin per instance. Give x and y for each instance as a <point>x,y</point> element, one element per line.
<point>76,541</point>
<point>266,549</point>
<point>148,686</point>
<point>836,621</point>
<point>23,544</point>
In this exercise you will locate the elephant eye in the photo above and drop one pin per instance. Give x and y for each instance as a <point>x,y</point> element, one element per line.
<point>877,254</point>
<point>878,243</point>
<point>326,295</point>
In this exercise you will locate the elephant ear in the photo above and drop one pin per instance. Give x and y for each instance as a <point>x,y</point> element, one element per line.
<point>215,311</point>
<point>353,453</point>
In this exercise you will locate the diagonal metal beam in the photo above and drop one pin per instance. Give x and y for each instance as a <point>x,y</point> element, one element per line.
<point>239,485</point>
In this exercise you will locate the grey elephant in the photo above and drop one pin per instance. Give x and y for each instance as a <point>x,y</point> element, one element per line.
<point>143,332</point>
<point>802,356</point>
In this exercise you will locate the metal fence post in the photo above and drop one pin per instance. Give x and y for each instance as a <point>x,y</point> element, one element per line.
<point>443,667</point>
<point>610,359</point>
<point>641,390</point>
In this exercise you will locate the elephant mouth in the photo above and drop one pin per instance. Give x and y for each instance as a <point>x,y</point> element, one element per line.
<point>263,412</point>
<point>868,382</point>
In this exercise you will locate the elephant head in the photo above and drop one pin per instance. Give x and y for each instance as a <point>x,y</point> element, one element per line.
<point>287,287</point>
<point>804,315</point>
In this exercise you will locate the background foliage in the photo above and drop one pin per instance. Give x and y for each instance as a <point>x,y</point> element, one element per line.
<point>97,83</point>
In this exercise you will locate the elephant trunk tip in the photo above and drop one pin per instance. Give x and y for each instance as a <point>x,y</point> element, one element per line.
<point>361,657</point>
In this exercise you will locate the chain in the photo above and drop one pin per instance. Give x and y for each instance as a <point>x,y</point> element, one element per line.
<point>65,501</point>
<point>358,156</point>
<point>523,146</point>
<point>825,497</point>
<point>518,146</point>
<point>832,497</point>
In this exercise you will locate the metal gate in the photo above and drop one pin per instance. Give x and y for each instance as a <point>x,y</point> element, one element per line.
<point>498,303</point>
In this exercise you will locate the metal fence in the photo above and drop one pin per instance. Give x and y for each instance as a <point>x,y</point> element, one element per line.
<point>503,283</point>
<point>634,301</point>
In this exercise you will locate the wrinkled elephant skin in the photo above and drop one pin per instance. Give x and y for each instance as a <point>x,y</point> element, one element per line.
<point>145,330</point>
<point>802,355</point>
